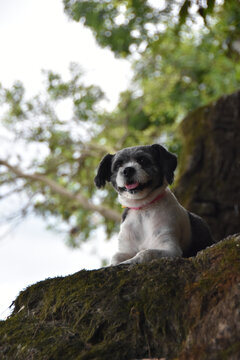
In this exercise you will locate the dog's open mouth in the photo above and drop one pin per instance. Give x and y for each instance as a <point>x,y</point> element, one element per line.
<point>134,187</point>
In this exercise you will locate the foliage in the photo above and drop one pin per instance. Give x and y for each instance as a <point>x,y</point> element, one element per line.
<point>185,76</point>
<point>68,153</point>
<point>183,55</point>
<point>124,25</point>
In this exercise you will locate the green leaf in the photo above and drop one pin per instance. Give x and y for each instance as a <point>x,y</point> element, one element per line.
<point>183,13</point>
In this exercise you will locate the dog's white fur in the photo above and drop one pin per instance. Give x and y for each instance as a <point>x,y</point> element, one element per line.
<point>158,230</point>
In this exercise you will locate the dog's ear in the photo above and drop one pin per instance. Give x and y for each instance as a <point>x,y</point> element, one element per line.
<point>104,171</point>
<point>167,161</point>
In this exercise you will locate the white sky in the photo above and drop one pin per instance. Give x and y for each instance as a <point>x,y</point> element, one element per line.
<point>36,35</point>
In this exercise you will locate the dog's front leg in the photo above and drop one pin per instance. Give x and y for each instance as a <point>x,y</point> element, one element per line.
<point>145,256</point>
<point>120,257</point>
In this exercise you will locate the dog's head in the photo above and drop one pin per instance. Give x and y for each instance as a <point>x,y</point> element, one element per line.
<point>138,171</point>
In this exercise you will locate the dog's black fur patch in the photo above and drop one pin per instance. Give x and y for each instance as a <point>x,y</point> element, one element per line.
<point>201,235</point>
<point>124,214</point>
<point>166,159</point>
<point>104,171</point>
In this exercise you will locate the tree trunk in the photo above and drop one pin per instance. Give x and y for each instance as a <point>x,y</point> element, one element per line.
<point>209,172</point>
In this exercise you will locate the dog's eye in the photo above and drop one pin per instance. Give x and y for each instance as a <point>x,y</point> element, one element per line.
<point>117,165</point>
<point>142,160</point>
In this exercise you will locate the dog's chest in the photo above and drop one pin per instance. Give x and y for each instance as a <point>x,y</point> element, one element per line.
<point>144,227</point>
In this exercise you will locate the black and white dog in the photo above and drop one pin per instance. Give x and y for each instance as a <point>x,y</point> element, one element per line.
<point>154,224</point>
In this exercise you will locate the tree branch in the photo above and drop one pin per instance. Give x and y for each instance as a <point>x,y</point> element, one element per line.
<point>55,187</point>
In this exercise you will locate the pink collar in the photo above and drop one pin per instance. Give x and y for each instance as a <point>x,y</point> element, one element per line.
<point>160,196</point>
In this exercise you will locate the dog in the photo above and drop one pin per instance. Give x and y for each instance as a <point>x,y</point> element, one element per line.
<point>154,224</point>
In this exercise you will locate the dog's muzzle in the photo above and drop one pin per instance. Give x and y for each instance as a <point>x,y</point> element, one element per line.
<point>131,184</point>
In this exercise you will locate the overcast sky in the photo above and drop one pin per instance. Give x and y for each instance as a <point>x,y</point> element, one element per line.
<point>37,35</point>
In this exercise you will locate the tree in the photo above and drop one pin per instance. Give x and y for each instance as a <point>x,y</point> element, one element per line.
<point>57,183</point>
<point>126,24</point>
<point>178,66</point>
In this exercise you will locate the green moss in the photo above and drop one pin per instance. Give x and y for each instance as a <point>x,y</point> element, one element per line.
<point>120,312</point>
<point>226,265</point>
<point>196,135</point>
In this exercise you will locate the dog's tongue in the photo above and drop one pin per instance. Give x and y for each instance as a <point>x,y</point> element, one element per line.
<point>131,186</point>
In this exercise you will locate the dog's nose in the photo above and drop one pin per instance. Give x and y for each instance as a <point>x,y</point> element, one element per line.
<point>129,171</point>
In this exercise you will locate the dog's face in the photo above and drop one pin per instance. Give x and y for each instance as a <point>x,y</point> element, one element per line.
<point>136,172</point>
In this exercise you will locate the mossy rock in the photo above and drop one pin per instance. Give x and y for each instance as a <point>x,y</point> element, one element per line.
<point>170,308</point>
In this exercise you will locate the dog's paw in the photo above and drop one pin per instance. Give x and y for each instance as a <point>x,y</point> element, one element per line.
<point>132,261</point>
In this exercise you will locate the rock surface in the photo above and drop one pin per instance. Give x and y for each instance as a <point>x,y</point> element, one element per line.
<point>170,308</point>
<point>209,176</point>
